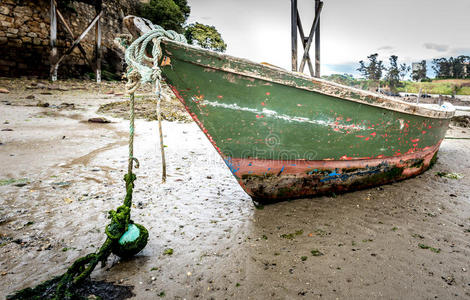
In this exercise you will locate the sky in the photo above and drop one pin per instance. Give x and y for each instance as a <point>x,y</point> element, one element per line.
<point>351,30</point>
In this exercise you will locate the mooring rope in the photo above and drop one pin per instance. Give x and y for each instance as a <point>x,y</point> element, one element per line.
<point>140,71</point>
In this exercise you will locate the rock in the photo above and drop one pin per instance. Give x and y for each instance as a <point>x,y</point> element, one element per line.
<point>461,121</point>
<point>42,104</point>
<point>67,105</point>
<point>99,120</point>
<point>30,97</point>
<point>7,129</point>
<point>4,91</point>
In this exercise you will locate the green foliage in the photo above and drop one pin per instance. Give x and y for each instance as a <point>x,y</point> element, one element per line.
<point>184,7</point>
<point>395,73</point>
<point>373,70</point>
<point>439,87</point>
<point>419,74</point>
<point>205,36</point>
<point>458,67</point>
<point>170,14</point>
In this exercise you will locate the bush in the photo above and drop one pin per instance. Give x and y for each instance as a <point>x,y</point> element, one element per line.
<point>170,14</point>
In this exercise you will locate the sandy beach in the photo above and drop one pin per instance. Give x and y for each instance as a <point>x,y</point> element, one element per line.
<point>61,174</point>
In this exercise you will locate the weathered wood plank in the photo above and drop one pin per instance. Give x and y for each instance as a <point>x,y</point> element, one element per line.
<point>310,37</point>
<point>304,43</point>
<point>294,34</point>
<point>54,53</point>
<point>317,43</point>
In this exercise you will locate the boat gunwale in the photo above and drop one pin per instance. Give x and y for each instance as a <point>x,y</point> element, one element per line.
<point>385,102</point>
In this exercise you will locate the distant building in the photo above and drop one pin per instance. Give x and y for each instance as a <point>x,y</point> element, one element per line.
<point>466,69</point>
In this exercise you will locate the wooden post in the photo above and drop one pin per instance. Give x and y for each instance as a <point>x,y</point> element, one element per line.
<point>294,34</point>
<point>317,41</point>
<point>80,38</point>
<point>53,57</point>
<point>98,51</point>
<point>98,42</point>
<point>69,30</point>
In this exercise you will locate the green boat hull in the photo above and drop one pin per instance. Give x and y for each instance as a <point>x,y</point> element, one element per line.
<point>284,135</point>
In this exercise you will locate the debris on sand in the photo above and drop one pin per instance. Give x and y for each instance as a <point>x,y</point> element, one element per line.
<point>291,236</point>
<point>99,120</point>
<point>168,251</point>
<point>316,252</point>
<point>435,250</point>
<point>16,182</point>
<point>42,104</point>
<point>461,121</point>
<point>450,175</point>
<point>146,109</point>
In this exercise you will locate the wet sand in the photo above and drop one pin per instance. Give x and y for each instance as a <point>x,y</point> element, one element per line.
<point>61,174</point>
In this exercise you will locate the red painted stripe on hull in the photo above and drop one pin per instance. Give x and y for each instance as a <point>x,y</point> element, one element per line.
<point>277,179</point>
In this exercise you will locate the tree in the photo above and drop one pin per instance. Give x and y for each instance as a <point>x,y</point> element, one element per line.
<point>395,72</point>
<point>170,14</point>
<point>442,67</point>
<point>451,67</point>
<point>205,36</point>
<point>184,7</point>
<point>419,73</point>
<point>372,71</point>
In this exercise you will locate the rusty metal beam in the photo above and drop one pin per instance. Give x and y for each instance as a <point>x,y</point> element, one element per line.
<point>310,37</point>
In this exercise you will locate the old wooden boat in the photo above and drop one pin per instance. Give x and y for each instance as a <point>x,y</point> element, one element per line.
<point>286,135</point>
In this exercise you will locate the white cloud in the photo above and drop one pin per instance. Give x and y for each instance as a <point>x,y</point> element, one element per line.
<point>437,47</point>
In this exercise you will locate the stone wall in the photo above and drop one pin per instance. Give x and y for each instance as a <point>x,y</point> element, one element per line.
<point>25,43</point>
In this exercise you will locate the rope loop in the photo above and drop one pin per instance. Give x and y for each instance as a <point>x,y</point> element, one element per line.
<point>139,61</point>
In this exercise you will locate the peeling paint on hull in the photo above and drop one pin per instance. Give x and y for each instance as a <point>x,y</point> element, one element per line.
<point>295,179</point>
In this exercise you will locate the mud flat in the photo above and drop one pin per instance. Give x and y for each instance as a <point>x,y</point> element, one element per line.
<point>61,174</point>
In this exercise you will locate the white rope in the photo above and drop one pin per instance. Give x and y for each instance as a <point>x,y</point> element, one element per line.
<point>140,72</point>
